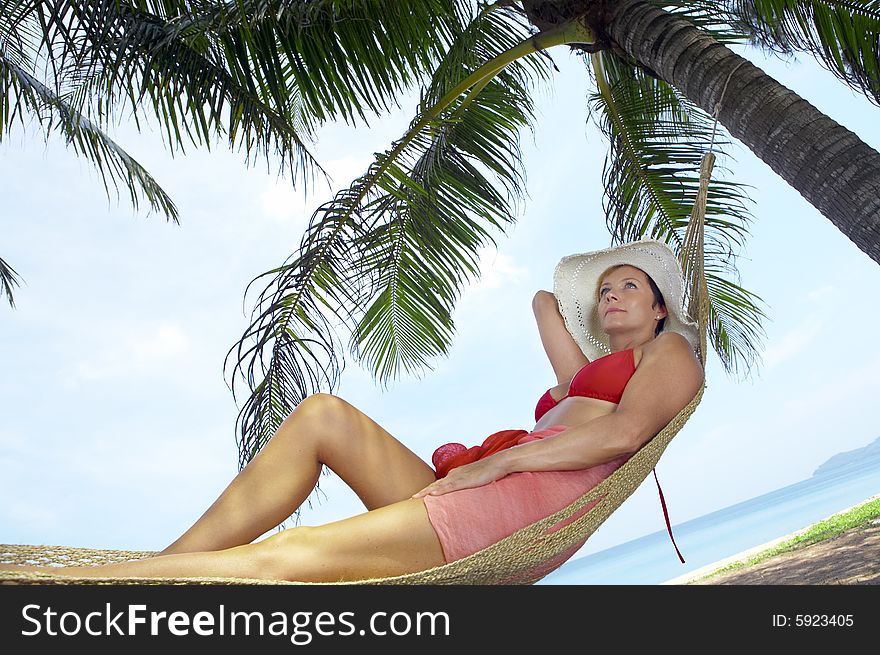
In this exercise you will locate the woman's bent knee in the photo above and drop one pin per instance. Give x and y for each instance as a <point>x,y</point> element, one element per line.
<point>322,407</point>
<point>316,412</point>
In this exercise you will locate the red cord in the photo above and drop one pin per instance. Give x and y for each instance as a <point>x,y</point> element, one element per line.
<point>666,516</point>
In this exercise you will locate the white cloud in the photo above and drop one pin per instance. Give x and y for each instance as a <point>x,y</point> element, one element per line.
<point>496,270</point>
<point>344,170</point>
<point>793,342</point>
<point>142,349</point>
<point>820,293</point>
<point>27,514</point>
<point>283,203</point>
<point>165,342</point>
<point>831,395</point>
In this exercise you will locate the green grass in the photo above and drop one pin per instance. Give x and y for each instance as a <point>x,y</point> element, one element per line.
<point>830,527</point>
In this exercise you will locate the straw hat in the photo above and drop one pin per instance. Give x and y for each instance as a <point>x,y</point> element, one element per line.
<point>576,282</point>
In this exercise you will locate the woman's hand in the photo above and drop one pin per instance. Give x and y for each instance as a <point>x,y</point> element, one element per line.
<point>468,476</point>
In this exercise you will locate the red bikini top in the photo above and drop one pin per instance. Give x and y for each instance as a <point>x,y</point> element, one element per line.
<point>604,378</point>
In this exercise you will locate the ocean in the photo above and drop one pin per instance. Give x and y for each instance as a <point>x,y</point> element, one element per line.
<point>652,559</point>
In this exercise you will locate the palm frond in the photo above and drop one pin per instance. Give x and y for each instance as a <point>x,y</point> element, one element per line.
<point>347,59</point>
<point>709,18</point>
<point>424,232</point>
<point>735,315</point>
<point>843,35</point>
<point>387,258</point>
<point>496,29</point>
<point>333,60</point>
<point>422,242</point>
<point>22,95</point>
<point>8,279</point>
<point>166,66</point>
<point>652,178</point>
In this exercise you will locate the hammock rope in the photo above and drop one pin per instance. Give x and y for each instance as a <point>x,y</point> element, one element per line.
<point>520,558</point>
<point>523,557</point>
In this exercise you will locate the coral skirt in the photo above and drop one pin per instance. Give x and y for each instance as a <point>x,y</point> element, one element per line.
<point>468,520</point>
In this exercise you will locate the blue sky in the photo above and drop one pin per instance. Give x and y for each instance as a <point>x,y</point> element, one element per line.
<point>117,428</point>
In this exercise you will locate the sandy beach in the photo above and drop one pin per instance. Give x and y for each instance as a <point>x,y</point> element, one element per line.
<point>851,557</point>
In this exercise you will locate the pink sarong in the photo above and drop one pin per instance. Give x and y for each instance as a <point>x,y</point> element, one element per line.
<point>468,520</point>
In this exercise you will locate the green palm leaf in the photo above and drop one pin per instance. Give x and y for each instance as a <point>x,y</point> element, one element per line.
<point>169,66</point>
<point>347,59</point>
<point>421,247</point>
<point>8,279</point>
<point>388,257</point>
<point>652,178</point>
<point>843,35</point>
<point>323,59</point>
<point>711,17</point>
<point>22,95</point>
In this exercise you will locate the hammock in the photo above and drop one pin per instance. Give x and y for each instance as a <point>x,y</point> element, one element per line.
<point>519,558</point>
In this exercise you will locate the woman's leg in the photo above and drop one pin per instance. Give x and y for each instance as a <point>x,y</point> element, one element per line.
<point>322,430</point>
<point>390,540</point>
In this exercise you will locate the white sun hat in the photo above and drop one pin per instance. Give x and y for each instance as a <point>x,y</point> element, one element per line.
<point>576,286</point>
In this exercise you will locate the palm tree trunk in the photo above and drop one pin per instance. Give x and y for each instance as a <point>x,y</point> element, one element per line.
<point>828,164</point>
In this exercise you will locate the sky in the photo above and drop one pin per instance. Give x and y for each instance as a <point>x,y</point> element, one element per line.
<point>117,428</point>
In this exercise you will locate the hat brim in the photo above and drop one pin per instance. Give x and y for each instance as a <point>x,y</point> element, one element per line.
<point>575,285</point>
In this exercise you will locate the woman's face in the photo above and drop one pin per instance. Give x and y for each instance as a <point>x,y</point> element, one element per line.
<point>626,300</point>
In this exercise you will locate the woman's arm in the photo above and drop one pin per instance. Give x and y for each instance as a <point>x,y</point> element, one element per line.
<point>565,356</point>
<point>666,380</point>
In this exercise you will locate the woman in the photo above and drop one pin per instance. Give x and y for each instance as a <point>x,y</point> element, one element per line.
<point>623,354</point>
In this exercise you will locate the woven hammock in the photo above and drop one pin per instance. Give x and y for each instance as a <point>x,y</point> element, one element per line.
<point>520,558</point>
